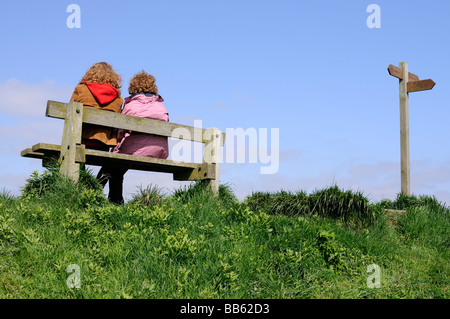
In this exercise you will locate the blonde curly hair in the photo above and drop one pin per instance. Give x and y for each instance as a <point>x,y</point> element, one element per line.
<point>143,82</point>
<point>102,72</point>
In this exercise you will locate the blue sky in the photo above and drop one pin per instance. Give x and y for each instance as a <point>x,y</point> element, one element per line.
<point>312,69</point>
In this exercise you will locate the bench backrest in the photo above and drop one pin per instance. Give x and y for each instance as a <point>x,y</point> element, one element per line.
<point>134,123</point>
<point>75,114</point>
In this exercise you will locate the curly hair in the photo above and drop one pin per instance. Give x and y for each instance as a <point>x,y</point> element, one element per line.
<point>143,82</point>
<point>102,72</point>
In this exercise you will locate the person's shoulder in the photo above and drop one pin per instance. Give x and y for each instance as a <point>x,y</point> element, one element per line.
<point>116,104</point>
<point>118,100</point>
<point>81,88</point>
<point>78,92</point>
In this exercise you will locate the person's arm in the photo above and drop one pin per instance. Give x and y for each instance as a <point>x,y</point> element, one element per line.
<point>159,113</point>
<point>120,135</point>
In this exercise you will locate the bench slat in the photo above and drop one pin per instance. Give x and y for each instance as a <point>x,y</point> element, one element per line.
<point>28,152</point>
<point>144,125</point>
<point>181,171</point>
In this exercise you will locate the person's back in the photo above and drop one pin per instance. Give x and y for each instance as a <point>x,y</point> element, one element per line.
<point>99,89</point>
<point>148,105</point>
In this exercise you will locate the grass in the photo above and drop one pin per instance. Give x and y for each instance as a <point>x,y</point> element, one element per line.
<point>189,244</point>
<point>331,202</point>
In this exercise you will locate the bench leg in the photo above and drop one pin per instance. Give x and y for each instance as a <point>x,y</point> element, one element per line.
<point>211,155</point>
<point>213,183</point>
<point>71,138</point>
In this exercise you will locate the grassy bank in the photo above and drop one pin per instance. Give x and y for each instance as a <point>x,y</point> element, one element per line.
<point>188,244</point>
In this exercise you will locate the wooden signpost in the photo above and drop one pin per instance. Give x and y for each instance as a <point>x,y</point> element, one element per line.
<point>409,82</point>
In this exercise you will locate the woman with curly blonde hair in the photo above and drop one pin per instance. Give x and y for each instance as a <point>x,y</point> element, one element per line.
<point>143,101</point>
<point>99,88</point>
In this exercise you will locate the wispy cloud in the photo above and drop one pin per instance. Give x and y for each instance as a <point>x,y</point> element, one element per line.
<point>377,180</point>
<point>245,98</point>
<point>12,182</point>
<point>23,99</point>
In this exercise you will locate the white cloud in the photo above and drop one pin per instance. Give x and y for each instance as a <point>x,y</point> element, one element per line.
<point>29,100</point>
<point>22,109</point>
<point>29,132</point>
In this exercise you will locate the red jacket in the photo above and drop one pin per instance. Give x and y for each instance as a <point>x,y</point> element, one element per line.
<point>99,96</point>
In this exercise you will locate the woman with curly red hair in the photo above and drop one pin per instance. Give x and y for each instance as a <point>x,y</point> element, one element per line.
<point>143,101</point>
<point>99,88</point>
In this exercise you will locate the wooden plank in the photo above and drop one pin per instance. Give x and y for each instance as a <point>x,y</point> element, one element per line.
<point>47,149</point>
<point>181,170</point>
<point>55,109</point>
<point>404,131</point>
<point>53,150</point>
<point>423,85</point>
<point>70,139</point>
<point>133,123</point>
<point>47,160</point>
<point>398,73</point>
<point>203,172</point>
<point>28,152</point>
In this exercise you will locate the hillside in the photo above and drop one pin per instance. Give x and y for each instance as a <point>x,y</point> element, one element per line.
<point>191,245</point>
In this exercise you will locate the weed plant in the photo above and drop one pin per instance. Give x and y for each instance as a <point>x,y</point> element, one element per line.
<point>149,196</point>
<point>52,187</point>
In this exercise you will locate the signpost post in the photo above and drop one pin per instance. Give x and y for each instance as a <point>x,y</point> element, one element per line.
<point>409,82</point>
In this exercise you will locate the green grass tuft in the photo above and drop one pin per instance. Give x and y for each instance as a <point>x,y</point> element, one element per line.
<point>330,202</point>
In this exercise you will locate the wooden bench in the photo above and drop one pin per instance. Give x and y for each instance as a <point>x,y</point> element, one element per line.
<point>71,153</point>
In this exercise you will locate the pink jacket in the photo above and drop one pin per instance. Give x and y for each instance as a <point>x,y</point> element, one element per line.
<point>143,144</point>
